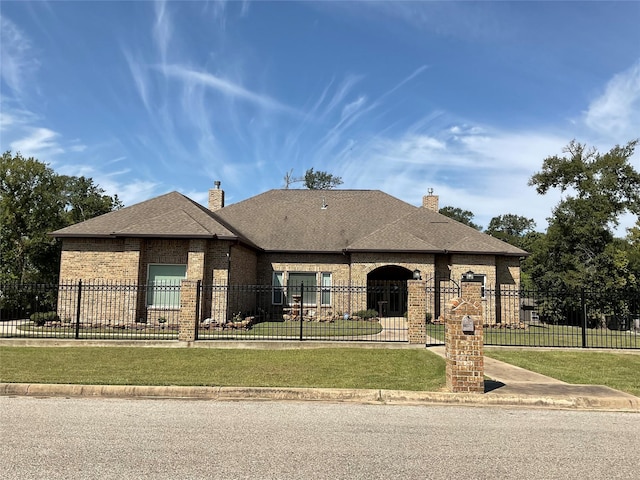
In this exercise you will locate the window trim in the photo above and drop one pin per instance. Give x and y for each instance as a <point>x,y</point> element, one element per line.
<point>277,288</point>
<point>326,288</point>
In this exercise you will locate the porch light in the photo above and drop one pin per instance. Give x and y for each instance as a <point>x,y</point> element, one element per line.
<point>468,277</point>
<point>416,275</point>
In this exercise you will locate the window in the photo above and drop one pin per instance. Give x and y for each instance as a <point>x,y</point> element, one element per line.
<point>164,285</point>
<point>278,288</point>
<point>293,287</point>
<point>325,292</point>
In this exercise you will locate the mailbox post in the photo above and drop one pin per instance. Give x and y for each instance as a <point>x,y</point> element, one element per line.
<point>464,339</point>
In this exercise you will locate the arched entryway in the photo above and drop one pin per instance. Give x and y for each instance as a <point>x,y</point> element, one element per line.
<point>387,290</point>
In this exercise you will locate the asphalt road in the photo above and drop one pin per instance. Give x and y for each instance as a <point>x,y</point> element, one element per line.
<point>176,439</point>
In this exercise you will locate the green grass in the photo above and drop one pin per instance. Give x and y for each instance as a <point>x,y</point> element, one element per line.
<point>417,370</point>
<point>616,370</point>
<point>551,336</point>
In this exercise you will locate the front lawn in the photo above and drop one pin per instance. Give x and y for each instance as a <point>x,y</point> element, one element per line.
<point>417,370</point>
<point>616,370</point>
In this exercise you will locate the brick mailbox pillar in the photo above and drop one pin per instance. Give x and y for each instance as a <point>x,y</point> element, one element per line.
<point>417,311</point>
<point>464,342</point>
<point>188,302</point>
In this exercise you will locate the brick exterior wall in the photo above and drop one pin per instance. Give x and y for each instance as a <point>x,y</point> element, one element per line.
<point>196,253</point>
<point>365,263</point>
<point>97,258</point>
<point>217,262</point>
<point>244,266</point>
<point>464,352</point>
<point>502,275</point>
<point>244,271</point>
<point>507,297</point>
<point>346,270</point>
<point>99,261</point>
<point>336,264</point>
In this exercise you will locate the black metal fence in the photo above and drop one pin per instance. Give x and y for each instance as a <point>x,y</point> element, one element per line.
<point>243,312</point>
<point>512,316</point>
<point>89,311</point>
<point>554,318</point>
<point>353,313</point>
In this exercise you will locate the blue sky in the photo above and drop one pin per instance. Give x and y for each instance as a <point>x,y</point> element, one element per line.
<point>466,98</point>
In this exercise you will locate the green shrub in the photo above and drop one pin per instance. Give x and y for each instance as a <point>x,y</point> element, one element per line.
<point>40,318</point>
<point>366,314</point>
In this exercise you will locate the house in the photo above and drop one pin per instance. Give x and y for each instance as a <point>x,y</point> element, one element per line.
<point>321,239</point>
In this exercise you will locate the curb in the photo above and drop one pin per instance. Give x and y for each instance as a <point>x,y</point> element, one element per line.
<point>626,403</point>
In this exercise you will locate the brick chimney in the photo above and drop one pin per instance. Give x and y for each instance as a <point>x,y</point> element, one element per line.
<point>216,197</point>
<point>430,201</point>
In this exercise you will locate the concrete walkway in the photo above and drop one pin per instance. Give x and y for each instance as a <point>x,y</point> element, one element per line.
<point>514,384</point>
<point>508,385</point>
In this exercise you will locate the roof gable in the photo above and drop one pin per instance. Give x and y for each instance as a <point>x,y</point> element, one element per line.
<point>169,215</point>
<point>440,233</point>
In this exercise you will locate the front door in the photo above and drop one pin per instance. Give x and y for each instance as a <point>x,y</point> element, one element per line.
<point>387,297</point>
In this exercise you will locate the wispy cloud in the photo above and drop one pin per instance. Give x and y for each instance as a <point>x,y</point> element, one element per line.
<point>40,141</point>
<point>340,94</point>
<point>129,190</point>
<point>245,8</point>
<point>140,77</point>
<point>12,118</point>
<point>477,168</point>
<point>224,87</point>
<point>18,62</point>
<point>162,29</point>
<point>413,75</point>
<point>478,21</point>
<point>617,111</point>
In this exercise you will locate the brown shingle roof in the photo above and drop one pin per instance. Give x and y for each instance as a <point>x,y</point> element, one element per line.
<point>427,231</point>
<point>295,221</point>
<point>170,215</point>
<point>353,220</point>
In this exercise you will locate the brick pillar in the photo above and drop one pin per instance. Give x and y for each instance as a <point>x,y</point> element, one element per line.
<point>417,311</point>
<point>196,259</point>
<point>464,350</point>
<point>187,320</point>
